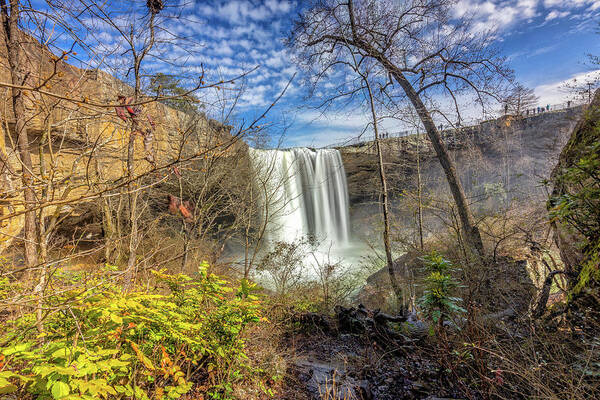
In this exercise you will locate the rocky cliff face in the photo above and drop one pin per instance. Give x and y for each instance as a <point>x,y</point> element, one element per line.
<point>72,112</point>
<point>575,215</point>
<point>501,163</point>
<point>505,158</point>
<point>85,141</point>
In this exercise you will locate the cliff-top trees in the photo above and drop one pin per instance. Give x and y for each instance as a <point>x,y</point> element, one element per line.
<point>428,56</point>
<point>519,100</point>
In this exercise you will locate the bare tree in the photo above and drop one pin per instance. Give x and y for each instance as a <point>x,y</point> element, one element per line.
<point>140,38</point>
<point>384,194</point>
<point>385,208</point>
<point>63,144</point>
<point>264,201</point>
<point>143,38</point>
<point>51,172</point>
<point>419,47</point>
<point>204,197</point>
<point>284,265</point>
<point>520,99</point>
<point>419,196</point>
<point>583,89</point>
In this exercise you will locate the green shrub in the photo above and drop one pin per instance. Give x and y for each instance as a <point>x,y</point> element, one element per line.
<point>437,302</point>
<point>148,343</point>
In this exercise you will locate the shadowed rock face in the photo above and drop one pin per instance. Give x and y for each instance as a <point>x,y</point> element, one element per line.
<point>584,135</point>
<point>509,155</point>
<point>500,162</point>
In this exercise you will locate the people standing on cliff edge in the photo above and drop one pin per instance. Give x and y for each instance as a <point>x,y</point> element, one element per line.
<point>128,112</point>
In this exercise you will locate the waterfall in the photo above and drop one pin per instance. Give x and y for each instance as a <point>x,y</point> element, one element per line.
<point>304,194</point>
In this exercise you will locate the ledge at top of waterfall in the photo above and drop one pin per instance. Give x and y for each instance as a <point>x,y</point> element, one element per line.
<point>304,195</point>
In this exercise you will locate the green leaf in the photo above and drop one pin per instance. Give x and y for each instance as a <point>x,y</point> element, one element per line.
<point>117,319</point>
<point>6,387</point>
<point>16,349</point>
<point>60,353</point>
<point>60,390</point>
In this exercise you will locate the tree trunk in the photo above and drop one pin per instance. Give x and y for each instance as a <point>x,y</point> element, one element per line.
<point>133,194</point>
<point>471,231</point>
<point>10,20</point>
<point>42,231</point>
<point>384,205</point>
<point>133,218</point>
<point>6,171</point>
<point>186,249</point>
<point>41,286</point>
<point>540,307</point>
<point>420,203</point>
<point>109,230</point>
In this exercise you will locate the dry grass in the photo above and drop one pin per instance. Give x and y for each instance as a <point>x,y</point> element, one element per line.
<point>333,390</point>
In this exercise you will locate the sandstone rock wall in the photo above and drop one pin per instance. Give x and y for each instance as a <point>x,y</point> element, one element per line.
<point>88,141</point>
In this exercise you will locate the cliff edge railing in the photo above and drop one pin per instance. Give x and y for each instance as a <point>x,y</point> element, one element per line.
<point>536,111</point>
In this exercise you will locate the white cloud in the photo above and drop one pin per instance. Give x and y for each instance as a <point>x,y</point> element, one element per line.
<point>277,59</point>
<point>319,138</point>
<point>279,6</point>
<point>572,4</point>
<point>489,15</point>
<point>503,14</point>
<point>527,7</point>
<point>331,127</point>
<point>222,49</point>
<point>239,11</point>
<point>556,14</point>
<point>569,3</point>
<point>354,121</point>
<point>559,92</point>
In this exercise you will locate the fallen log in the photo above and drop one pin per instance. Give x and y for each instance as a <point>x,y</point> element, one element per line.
<point>363,321</point>
<point>315,320</point>
<point>373,323</point>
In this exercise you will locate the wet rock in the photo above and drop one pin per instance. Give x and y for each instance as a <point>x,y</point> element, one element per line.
<point>331,381</point>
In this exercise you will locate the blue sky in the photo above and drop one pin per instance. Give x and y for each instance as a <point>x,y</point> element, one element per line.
<point>546,42</point>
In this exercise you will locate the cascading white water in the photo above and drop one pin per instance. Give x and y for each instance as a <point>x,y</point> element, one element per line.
<point>304,194</point>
